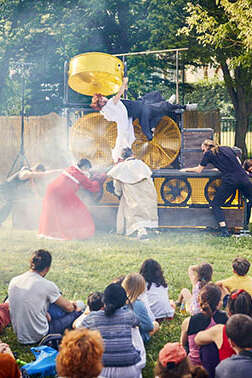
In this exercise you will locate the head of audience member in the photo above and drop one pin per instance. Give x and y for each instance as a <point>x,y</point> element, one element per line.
<point>239,302</point>
<point>152,272</point>
<point>209,298</point>
<point>84,164</point>
<point>40,262</point>
<point>114,298</point>
<point>119,280</point>
<point>209,145</point>
<point>239,332</point>
<point>95,301</point>
<point>134,285</point>
<point>98,101</point>
<point>240,266</point>
<point>173,363</point>
<point>126,153</point>
<point>204,272</point>
<point>247,165</point>
<point>8,366</point>
<point>80,354</point>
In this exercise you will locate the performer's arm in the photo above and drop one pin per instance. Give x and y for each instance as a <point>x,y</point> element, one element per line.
<point>117,97</point>
<point>26,174</point>
<point>197,169</point>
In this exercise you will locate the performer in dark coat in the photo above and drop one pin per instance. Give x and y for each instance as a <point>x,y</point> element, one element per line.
<point>233,177</point>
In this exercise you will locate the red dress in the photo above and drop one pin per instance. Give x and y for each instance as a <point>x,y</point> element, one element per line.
<point>64,215</point>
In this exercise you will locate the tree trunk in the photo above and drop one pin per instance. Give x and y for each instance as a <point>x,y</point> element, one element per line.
<point>242,123</point>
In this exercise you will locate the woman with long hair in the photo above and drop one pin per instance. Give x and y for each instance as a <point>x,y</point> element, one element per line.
<point>209,298</point>
<point>156,290</point>
<point>134,285</point>
<point>239,302</point>
<point>233,177</point>
<point>115,322</point>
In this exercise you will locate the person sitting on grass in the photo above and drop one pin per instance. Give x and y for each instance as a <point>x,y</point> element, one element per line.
<point>209,316</point>
<point>134,285</point>
<point>157,290</point>
<point>240,278</point>
<point>239,302</point>
<point>115,323</point>
<point>239,333</point>
<point>173,363</point>
<point>199,276</point>
<point>8,365</point>
<point>80,354</point>
<point>94,303</point>
<point>30,295</point>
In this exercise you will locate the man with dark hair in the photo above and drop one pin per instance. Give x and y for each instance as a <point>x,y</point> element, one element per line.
<point>138,197</point>
<point>239,333</point>
<point>239,279</point>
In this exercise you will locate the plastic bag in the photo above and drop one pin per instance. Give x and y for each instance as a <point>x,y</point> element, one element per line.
<point>45,363</point>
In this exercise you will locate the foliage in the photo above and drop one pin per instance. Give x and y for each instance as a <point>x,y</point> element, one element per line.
<point>220,27</point>
<point>81,267</point>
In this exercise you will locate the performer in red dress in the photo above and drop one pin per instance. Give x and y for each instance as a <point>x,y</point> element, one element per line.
<point>64,215</point>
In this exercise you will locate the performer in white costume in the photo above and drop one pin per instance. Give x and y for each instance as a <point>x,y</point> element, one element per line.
<point>114,110</point>
<point>138,198</point>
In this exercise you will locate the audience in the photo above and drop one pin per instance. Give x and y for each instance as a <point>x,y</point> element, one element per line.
<point>109,335</point>
<point>209,298</point>
<point>115,323</point>
<point>199,276</point>
<point>157,290</point>
<point>239,333</point>
<point>80,354</point>
<point>240,278</point>
<point>173,363</point>
<point>30,295</point>
<point>134,285</point>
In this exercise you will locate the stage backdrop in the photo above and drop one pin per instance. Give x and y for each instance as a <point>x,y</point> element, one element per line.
<point>45,138</point>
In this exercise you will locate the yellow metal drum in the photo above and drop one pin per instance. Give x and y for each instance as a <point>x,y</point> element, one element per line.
<point>95,72</point>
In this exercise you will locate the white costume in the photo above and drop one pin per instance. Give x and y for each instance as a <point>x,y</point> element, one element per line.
<point>138,203</point>
<point>125,131</point>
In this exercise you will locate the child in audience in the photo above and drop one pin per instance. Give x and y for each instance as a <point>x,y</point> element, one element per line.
<point>239,332</point>
<point>199,276</point>
<point>239,302</point>
<point>173,363</point>
<point>80,354</point>
<point>240,278</point>
<point>157,290</point>
<point>94,303</point>
<point>134,285</point>
<point>209,298</point>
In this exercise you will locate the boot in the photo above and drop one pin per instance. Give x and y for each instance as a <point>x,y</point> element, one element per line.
<point>224,233</point>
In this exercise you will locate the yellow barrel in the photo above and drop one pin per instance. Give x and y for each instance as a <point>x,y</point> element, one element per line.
<point>95,72</point>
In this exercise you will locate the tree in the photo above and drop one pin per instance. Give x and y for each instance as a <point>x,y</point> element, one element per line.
<point>223,29</point>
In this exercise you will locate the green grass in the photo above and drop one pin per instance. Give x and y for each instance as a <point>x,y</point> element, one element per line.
<point>81,267</point>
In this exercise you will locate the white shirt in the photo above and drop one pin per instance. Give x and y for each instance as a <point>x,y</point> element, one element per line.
<point>158,299</point>
<point>29,297</point>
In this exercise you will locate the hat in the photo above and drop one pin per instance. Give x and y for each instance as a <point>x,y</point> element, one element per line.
<point>171,352</point>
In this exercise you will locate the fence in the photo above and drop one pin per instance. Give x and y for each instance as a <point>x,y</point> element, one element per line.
<point>227,135</point>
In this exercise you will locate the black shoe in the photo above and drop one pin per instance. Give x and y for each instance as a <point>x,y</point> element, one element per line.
<point>225,234</point>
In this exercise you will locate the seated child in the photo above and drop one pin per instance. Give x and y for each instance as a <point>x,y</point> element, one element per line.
<point>240,278</point>
<point>199,276</point>
<point>94,303</point>
<point>8,365</point>
<point>173,362</point>
<point>157,290</point>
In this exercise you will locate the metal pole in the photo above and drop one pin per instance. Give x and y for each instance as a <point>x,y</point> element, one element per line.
<point>177,79</point>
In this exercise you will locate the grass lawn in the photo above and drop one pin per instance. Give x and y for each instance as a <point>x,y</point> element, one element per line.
<point>81,267</point>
